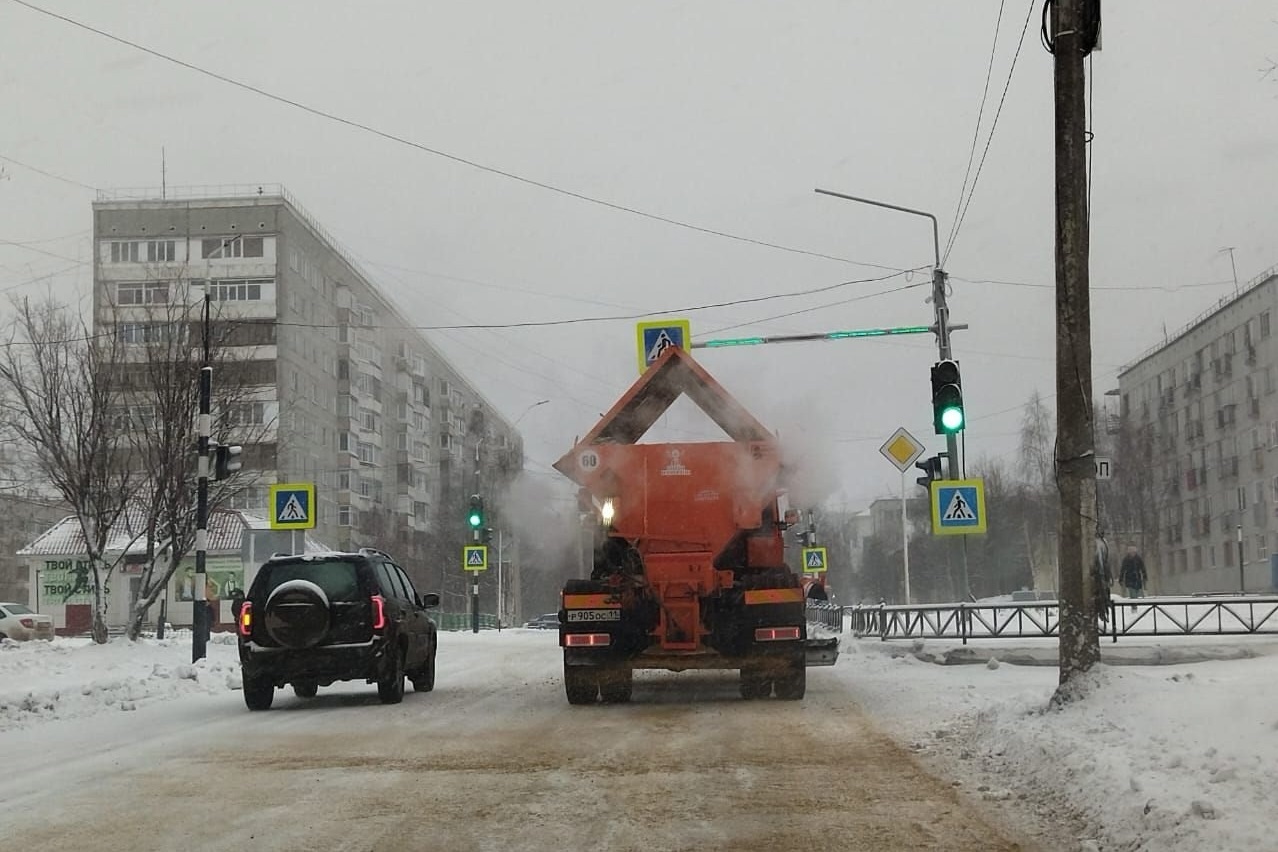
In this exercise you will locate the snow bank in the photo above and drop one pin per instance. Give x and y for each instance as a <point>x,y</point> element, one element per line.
<point>1155,756</point>
<point>73,678</point>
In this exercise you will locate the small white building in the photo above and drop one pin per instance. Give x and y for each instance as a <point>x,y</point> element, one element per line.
<point>61,583</point>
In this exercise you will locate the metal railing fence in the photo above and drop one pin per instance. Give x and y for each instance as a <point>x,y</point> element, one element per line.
<point>1236,615</point>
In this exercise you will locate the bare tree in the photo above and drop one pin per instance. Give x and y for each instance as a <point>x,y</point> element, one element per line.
<point>1037,465</point>
<point>162,351</point>
<point>60,394</point>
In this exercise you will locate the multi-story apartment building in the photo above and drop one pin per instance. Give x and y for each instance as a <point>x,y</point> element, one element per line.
<point>345,393</point>
<point>1202,412</point>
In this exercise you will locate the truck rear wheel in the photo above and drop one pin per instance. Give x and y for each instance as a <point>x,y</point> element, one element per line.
<point>792,685</point>
<point>616,685</point>
<point>581,684</point>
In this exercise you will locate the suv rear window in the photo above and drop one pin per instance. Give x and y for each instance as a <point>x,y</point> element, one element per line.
<point>336,577</point>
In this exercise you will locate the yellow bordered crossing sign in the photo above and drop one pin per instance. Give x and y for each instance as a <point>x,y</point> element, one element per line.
<point>814,561</point>
<point>656,337</point>
<point>958,506</point>
<point>475,557</point>
<point>292,506</point>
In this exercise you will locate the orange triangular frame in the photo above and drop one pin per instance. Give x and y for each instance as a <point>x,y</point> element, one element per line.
<point>671,375</point>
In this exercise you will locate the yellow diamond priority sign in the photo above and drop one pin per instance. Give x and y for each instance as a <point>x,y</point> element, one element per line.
<point>902,449</point>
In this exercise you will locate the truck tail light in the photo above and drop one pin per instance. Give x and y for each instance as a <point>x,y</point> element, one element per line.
<point>28,623</point>
<point>379,612</point>
<point>586,640</point>
<point>246,619</point>
<point>775,634</point>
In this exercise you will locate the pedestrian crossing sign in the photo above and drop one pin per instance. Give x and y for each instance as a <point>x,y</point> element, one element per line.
<point>814,561</point>
<point>958,506</point>
<point>475,557</point>
<point>655,337</point>
<point>292,506</point>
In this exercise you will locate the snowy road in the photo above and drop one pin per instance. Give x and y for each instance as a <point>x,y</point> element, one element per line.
<point>493,759</point>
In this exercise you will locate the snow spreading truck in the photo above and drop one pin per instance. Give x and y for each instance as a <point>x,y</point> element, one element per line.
<point>689,568</point>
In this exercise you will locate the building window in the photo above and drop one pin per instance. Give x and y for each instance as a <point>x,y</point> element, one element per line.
<point>401,441</point>
<point>149,293</point>
<point>231,247</point>
<point>1264,325</point>
<point>125,252</point>
<point>150,332</point>
<point>1262,548</point>
<point>158,251</point>
<point>345,445</point>
<point>367,453</point>
<point>239,290</point>
<point>345,517</point>
<point>368,420</point>
<point>246,414</point>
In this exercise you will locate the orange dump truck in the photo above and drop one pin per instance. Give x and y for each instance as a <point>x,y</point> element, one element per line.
<point>689,569</point>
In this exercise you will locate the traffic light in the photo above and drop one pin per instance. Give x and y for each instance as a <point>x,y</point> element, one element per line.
<point>475,516</point>
<point>488,535</point>
<point>947,398</point>
<point>226,460</point>
<point>931,468</point>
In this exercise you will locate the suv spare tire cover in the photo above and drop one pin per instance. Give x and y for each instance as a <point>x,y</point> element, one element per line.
<point>297,614</point>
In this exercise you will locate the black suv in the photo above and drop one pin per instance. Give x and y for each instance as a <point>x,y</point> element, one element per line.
<point>314,619</point>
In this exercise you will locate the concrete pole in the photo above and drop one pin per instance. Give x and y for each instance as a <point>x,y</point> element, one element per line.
<point>1075,440</point>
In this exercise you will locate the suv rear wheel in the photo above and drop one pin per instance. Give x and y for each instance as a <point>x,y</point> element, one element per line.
<point>391,688</point>
<point>424,681</point>
<point>258,693</point>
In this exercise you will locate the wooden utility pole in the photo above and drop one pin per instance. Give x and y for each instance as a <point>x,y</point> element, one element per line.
<point>1074,26</point>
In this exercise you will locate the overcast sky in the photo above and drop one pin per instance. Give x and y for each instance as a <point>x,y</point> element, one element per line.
<point>724,115</point>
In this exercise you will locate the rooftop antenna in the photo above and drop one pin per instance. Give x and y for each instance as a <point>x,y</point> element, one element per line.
<point>1230,249</point>
<point>164,174</point>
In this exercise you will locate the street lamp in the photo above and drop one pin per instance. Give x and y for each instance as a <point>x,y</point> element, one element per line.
<point>1242,579</point>
<point>501,600</point>
<point>528,409</point>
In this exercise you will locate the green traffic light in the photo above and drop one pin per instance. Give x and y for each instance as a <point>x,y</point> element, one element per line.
<point>475,519</point>
<point>952,419</point>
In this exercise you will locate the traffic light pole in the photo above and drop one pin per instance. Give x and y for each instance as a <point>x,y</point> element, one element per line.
<point>944,353</point>
<point>199,615</point>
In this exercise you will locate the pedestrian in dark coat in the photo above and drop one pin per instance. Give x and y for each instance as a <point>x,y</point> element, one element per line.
<point>1132,573</point>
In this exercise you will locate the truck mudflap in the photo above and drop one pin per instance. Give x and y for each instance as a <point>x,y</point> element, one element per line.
<point>821,652</point>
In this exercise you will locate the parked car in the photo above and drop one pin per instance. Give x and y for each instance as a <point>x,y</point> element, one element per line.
<point>20,622</point>
<point>312,620</point>
<point>548,621</point>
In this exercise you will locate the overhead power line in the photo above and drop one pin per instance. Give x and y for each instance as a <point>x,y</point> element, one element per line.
<point>392,137</point>
<point>993,126</point>
<point>976,131</point>
<point>39,171</point>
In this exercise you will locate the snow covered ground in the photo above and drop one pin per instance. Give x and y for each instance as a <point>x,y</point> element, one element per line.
<point>1154,756</point>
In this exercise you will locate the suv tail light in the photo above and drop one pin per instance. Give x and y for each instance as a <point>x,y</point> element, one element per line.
<point>246,619</point>
<point>379,612</point>
<point>773,634</point>
<point>28,623</point>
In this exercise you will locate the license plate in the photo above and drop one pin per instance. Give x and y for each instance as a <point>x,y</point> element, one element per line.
<point>594,615</point>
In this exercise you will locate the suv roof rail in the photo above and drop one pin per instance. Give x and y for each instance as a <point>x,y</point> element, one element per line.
<point>376,550</point>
